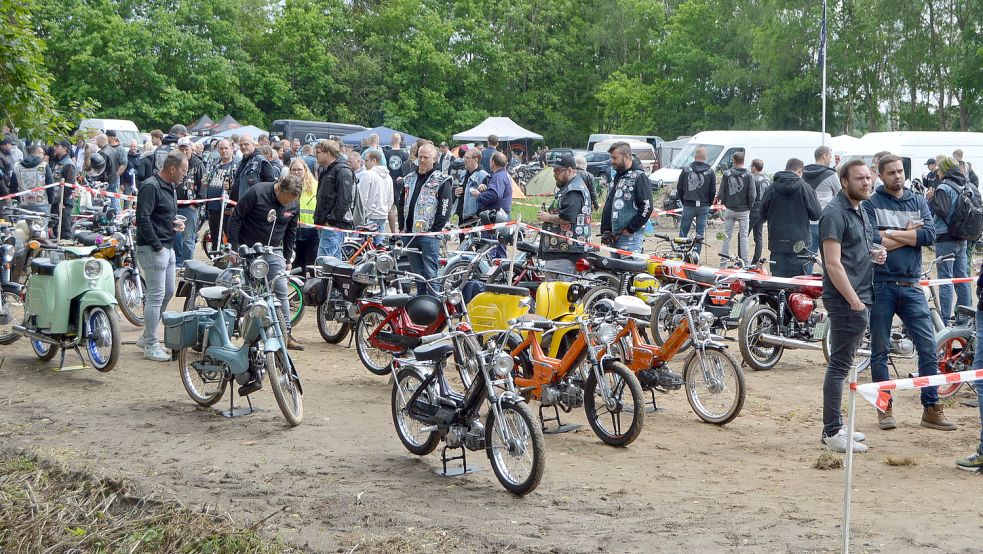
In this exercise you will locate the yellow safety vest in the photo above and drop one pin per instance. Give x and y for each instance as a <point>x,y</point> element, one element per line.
<point>307,204</point>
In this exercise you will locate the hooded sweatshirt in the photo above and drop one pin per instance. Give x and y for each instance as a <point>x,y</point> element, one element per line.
<point>376,190</point>
<point>737,190</point>
<point>944,202</point>
<point>884,211</point>
<point>697,185</point>
<point>788,207</point>
<point>823,180</point>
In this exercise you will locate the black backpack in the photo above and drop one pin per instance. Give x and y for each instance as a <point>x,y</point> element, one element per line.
<point>966,221</point>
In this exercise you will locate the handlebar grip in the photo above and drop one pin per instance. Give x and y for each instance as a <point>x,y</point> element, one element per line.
<point>433,338</point>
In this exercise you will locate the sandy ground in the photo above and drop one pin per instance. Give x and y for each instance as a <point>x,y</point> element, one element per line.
<point>342,481</point>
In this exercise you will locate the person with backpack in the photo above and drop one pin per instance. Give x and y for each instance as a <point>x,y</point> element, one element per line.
<point>958,216</point>
<point>696,189</point>
<point>335,197</point>
<point>29,173</point>
<point>496,195</point>
<point>757,223</point>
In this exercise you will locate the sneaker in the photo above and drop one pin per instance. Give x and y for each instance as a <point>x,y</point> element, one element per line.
<point>973,462</point>
<point>934,418</point>
<point>156,353</point>
<point>885,419</point>
<point>837,442</point>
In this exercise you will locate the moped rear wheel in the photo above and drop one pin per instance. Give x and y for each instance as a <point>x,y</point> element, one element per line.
<point>618,419</point>
<point>13,312</point>
<point>757,321</point>
<point>43,350</point>
<point>205,388</point>
<point>285,389</point>
<point>376,360</point>
<point>101,338</point>
<point>955,354</point>
<point>664,319</point>
<point>332,330</point>
<point>515,447</point>
<point>716,394</point>
<point>130,301</point>
<point>860,361</point>
<point>409,429</point>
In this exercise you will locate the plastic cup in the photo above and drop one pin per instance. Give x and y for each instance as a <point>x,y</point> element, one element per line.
<point>878,254</point>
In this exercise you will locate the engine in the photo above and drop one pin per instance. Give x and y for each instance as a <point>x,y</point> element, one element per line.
<point>471,436</point>
<point>567,395</point>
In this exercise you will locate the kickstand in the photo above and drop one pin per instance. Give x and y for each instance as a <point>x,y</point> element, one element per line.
<point>655,407</point>
<point>61,363</point>
<point>463,470</point>
<point>560,426</point>
<point>351,337</point>
<point>234,412</point>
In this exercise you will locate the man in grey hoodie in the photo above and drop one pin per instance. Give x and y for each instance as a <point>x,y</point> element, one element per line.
<point>789,205</point>
<point>823,179</point>
<point>737,193</point>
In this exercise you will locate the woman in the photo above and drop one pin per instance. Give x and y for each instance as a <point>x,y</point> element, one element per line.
<point>305,251</point>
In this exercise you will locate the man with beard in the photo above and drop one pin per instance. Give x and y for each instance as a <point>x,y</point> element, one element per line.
<point>789,205</point>
<point>218,179</point>
<point>335,197</point>
<point>629,204</point>
<point>568,216</point>
<point>826,184</point>
<point>474,177</point>
<point>253,168</point>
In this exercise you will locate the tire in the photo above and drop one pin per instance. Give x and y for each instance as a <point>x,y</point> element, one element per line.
<point>725,373</point>
<point>451,282</point>
<point>129,303</point>
<point>529,439</point>
<point>100,319</point>
<point>598,293</point>
<point>409,430</point>
<point>332,331</point>
<point>860,362</point>
<point>754,322</point>
<point>955,353</point>
<point>44,351</point>
<point>620,380</point>
<point>664,312</point>
<point>295,299</point>
<point>14,306</point>
<point>195,383</point>
<point>285,390</point>
<point>348,250</point>
<point>372,357</point>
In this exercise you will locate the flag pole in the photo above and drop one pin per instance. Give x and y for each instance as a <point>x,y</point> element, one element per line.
<point>822,54</point>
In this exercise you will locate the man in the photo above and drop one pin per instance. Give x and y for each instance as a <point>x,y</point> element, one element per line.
<point>487,153</point>
<point>789,205</point>
<point>269,153</point>
<point>253,168</point>
<point>236,152</point>
<point>122,160</point>
<point>397,157</point>
<point>156,138</point>
<point>29,173</point>
<point>109,175</point>
<point>425,206</point>
<point>974,462</point>
<point>295,147</point>
<point>129,179</point>
<point>445,159</point>
<point>376,187</point>
<point>969,173</point>
<point>737,194</point>
<point>335,197</point>
<point>156,226</point>
<point>373,146</point>
<point>249,225</point>
<point>568,215</point>
<point>825,183</point>
<point>942,201</point>
<point>6,165</point>
<point>307,154</point>
<point>355,162</point>
<point>757,223</point>
<point>284,152</point>
<point>629,203</point>
<point>64,170</point>
<point>190,188</point>
<point>847,291</point>
<point>218,179</point>
<point>152,162</point>
<point>931,179</point>
<point>904,225</point>
<point>873,168</point>
<point>263,140</point>
<point>496,195</point>
<point>474,178</point>
<point>696,189</point>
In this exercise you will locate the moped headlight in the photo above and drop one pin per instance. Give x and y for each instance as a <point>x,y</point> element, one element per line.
<point>385,263</point>
<point>8,253</point>
<point>258,269</point>
<point>502,365</point>
<point>606,333</point>
<point>92,269</point>
<point>259,310</point>
<point>455,297</point>
<point>706,319</point>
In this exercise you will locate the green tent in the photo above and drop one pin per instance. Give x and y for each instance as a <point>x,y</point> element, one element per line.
<point>542,184</point>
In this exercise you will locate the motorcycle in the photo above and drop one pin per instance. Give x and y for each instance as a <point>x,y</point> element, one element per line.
<point>11,301</point>
<point>69,304</point>
<point>335,290</point>
<point>115,242</point>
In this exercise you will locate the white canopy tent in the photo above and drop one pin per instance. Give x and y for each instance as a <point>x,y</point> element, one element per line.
<point>503,127</point>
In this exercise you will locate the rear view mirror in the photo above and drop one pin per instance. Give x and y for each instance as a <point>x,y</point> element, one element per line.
<point>271,216</point>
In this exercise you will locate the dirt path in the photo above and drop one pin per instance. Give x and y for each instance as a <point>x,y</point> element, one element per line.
<point>344,480</point>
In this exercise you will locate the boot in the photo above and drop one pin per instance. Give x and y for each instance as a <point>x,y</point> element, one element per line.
<point>292,343</point>
<point>885,419</point>
<point>934,418</point>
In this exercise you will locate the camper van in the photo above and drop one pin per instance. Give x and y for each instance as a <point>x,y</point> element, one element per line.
<point>308,132</point>
<point>916,147</point>
<point>125,129</point>
<point>596,138</point>
<point>774,148</point>
<point>644,151</point>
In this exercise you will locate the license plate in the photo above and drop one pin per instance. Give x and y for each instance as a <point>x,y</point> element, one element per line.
<point>736,309</point>
<point>820,331</point>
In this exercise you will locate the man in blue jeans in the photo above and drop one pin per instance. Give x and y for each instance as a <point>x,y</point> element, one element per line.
<point>696,189</point>
<point>335,197</point>
<point>902,223</point>
<point>425,205</point>
<point>942,201</point>
<point>974,462</point>
<point>629,203</point>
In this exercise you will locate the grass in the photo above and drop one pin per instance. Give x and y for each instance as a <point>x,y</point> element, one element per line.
<point>827,460</point>
<point>46,507</point>
<point>901,461</point>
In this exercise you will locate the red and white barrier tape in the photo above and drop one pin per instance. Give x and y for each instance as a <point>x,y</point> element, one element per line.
<point>877,393</point>
<point>28,191</point>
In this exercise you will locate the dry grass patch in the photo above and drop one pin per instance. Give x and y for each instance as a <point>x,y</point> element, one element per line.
<point>899,461</point>
<point>827,460</point>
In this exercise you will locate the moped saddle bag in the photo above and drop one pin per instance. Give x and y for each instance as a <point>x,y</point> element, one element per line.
<point>180,329</point>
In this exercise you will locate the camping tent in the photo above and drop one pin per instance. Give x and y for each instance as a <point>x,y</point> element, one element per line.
<point>250,130</point>
<point>542,184</point>
<point>203,124</point>
<point>225,124</point>
<point>385,136</point>
<point>503,127</point>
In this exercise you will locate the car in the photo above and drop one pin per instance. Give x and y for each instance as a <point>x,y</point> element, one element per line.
<point>599,165</point>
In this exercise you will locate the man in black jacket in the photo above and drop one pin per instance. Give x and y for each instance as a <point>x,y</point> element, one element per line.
<point>253,168</point>
<point>156,224</point>
<point>249,224</point>
<point>189,189</point>
<point>424,204</point>
<point>629,204</point>
<point>335,197</point>
<point>696,189</point>
<point>789,205</point>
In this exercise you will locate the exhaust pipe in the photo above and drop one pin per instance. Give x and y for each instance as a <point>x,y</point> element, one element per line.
<point>21,330</point>
<point>776,340</point>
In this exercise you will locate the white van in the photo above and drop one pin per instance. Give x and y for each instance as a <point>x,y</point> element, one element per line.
<point>592,140</point>
<point>774,148</point>
<point>916,147</point>
<point>643,150</point>
<point>125,129</point>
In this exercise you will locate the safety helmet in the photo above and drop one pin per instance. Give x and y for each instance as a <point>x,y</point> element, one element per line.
<point>423,310</point>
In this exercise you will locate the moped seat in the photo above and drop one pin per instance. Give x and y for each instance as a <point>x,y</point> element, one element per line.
<point>87,238</point>
<point>965,311</point>
<point>372,227</point>
<point>214,293</point>
<point>333,266</point>
<point>701,276</point>
<point>200,272</point>
<point>615,264</point>
<point>396,300</point>
<point>505,289</point>
<point>43,266</point>
<point>432,352</point>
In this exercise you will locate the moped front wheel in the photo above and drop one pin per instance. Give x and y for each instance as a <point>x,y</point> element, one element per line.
<point>204,387</point>
<point>515,447</point>
<point>11,311</point>
<point>102,338</point>
<point>666,316</point>
<point>617,420</point>
<point>130,296</point>
<point>376,360</point>
<point>714,385</point>
<point>759,320</point>
<point>295,300</point>
<point>43,350</point>
<point>285,389</point>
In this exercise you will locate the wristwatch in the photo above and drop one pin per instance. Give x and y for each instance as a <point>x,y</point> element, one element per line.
<point>889,232</point>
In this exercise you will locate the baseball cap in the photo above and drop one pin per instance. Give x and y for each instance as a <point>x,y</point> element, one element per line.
<point>566,160</point>
<point>185,141</point>
<point>178,129</point>
<point>931,161</point>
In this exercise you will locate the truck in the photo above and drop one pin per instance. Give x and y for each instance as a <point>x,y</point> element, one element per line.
<point>308,132</point>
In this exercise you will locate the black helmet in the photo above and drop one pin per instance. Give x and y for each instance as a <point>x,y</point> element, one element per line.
<point>423,310</point>
<point>97,165</point>
<point>488,217</point>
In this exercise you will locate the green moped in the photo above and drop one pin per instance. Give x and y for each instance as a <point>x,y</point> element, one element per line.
<point>70,303</point>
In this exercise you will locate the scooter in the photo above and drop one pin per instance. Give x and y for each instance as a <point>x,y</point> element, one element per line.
<point>69,304</point>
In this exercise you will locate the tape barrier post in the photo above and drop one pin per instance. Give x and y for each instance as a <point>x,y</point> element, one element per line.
<point>221,221</point>
<point>61,210</point>
<point>848,481</point>
<point>515,243</point>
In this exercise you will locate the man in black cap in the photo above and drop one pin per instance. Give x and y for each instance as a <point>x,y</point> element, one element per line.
<point>64,170</point>
<point>152,163</point>
<point>569,216</point>
<point>931,179</point>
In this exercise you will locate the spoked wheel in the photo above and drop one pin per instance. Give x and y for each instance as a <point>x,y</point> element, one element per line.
<point>454,275</point>
<point>955,354</point>
<point>11,313</point>
<point>43,350</point>
<point>348,250</point>
<point>596,294</point>
<point>204,387</point>
<point>757,321</point>
<point>665,317</point>
<point>376,360</point>
<point>285,389</point>
<point>130,295</point>
<point>617,420</point>
<point>329,324</point>
<point>714,385</point>
<point>860,361</point>
<point>515,447</point>
<point>410,430</point>
<point>295,299</point>
<point>102,338</point>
